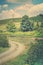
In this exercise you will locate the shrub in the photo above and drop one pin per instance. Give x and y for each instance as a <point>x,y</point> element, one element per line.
<point>35,52</point>
<point>25,24</point>
<point>3,41</point>
<point>11,27</point>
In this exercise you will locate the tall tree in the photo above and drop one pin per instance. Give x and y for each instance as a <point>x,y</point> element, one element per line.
<point>25,24</point>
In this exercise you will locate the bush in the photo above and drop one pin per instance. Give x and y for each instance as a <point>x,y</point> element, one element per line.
<point>25,24</point>
<point>11,27</point>
<point>3,41</point>
<point>35,52</point>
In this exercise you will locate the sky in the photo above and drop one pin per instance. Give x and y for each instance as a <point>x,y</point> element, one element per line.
<point>18,8</point>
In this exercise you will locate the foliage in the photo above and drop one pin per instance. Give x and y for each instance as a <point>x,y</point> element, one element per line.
<point>25,24</point>
<point>3,49</point>
<point>35,52</point>
<point>37,27</point>
<point>38,18</point>
<point>3,41</point>
<point>11,27</point>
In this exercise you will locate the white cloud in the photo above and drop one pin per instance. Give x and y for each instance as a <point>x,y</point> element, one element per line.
<point>26,9</point>
<point>19,1</point>
<point>5,5</point>
<point>15,13</point>
<point>36,10</point>
<point>23,9</point>
<point>12,1</point>
<point>9,14</point>
<point>0,6</point>
<point>30,9</point>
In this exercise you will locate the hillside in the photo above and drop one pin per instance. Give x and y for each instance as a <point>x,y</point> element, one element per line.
<point>34,19</point>
<point>37,18</point>
<point>5,21</point>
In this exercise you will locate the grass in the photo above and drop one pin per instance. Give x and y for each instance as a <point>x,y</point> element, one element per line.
<point>22,37</point>
<point>20,60</point>
<point>3,49</point>
<point>3,27</point>
<point>30,34</point>
<point>20,33</point>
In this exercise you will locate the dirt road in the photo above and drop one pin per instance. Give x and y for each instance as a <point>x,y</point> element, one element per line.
<point>15,50</point>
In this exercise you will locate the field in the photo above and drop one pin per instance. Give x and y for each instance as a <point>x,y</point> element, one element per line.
<point>3,49</point>
<point>25,38</point>
<point>21,60</point>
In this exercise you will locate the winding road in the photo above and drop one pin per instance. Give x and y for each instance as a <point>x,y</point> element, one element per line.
<point>15,50</point>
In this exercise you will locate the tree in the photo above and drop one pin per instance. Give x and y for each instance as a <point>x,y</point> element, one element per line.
<point>3,41</point>
<point>37,25</point>
<point>11,27</point>
<point>41,15</point>
<point>25,24</point>
<point>35,53</point>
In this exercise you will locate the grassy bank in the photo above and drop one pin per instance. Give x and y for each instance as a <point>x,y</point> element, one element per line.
<point>21,60</point>
<point>3,49</point>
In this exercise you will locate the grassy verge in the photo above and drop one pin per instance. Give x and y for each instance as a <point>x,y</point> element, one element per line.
<point>19,33</point>
<point>3,49</point>
<point>20,60</point>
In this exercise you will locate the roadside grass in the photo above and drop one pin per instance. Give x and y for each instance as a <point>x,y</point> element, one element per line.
<point>3,27</point>
<point>23,38</point>
<point>20,33</point>
<point>3,49</point>
<point>20,60</point>
<point>30,34</point>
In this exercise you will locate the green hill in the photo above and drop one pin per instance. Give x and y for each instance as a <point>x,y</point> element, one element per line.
<point>37,18</point>
<point>34,19</point>
<point>5,21</point>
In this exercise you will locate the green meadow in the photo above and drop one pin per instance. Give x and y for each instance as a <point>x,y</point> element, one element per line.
<point>18,31</point>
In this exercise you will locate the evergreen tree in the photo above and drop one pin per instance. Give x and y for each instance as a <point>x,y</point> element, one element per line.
<point>25,24</point>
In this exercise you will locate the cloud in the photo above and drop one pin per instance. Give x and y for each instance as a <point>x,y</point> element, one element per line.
<point>0,6</point>
<point>30,9</point>
<point>5,5</point>
<point>23,9</point>
<point>21,1</point>
<point>9,14</point>
<point>11,1</point>
<point>26,9</point>
<point>17,12</point>
<point>36,10</point>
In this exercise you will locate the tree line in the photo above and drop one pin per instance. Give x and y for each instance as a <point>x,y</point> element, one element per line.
<point>26,25</point>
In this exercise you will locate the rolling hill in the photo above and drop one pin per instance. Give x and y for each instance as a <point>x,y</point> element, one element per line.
<point>38,18</point>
